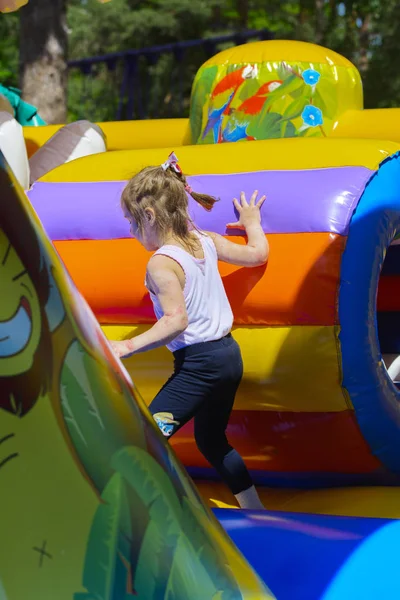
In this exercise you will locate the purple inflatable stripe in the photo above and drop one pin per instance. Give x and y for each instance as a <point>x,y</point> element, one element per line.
<point>321,200</point>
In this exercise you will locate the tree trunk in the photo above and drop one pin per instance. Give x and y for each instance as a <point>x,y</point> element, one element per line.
<point>43,58</point>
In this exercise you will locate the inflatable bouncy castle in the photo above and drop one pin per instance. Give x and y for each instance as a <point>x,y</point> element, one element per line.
<point>112,512</point>
<point>307,358</point>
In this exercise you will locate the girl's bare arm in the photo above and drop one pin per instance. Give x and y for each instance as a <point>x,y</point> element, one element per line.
<point>256,252</point>
<point>163,278</point>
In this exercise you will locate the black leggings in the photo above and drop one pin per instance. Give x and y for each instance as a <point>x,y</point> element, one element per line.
<point>204,383</point>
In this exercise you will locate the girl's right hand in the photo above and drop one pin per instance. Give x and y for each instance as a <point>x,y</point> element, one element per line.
<point>122,349</point>
<point>249,212</point>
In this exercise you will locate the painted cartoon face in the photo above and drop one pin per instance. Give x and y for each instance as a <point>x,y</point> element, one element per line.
<point>20,318</point>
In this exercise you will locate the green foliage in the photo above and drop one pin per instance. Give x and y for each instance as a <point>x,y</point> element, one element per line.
<point>97,29</point>
<point>9,32</point>
<point>367,32</point>
<point>382,77</point>
<point>122,24</point>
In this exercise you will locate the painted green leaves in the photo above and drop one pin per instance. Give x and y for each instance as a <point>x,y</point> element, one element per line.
<point>290,108</point>
<point>88,403</point>
<point>270,101</point>
<point>146,543</point>
<point>107,573</point>
<point>150,536</point>
<point>172,557</point>
<point>200,92</point>
<point>3,595</point>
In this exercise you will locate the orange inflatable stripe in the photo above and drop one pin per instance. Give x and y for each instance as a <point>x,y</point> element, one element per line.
<point>297,287</point>
<point>389,293</point>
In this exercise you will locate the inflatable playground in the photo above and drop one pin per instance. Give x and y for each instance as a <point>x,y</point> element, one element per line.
<point>95,503</point>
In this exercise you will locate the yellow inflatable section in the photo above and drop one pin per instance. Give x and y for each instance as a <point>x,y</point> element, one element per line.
<point>123,135</point>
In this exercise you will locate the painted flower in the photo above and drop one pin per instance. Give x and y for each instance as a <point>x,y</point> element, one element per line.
<point>312,116</point>
<point>311,77</point>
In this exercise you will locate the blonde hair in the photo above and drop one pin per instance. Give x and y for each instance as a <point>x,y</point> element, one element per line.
<point>165,192</point>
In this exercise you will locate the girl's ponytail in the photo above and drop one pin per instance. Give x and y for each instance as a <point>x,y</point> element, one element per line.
<point>204,200</point>
<point>171,165</point>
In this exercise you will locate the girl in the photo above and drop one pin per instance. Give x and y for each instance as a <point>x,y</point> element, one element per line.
<point>193,312</point>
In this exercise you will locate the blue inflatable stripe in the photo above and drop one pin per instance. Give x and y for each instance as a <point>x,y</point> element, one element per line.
<point>375,223</point>
<point>318,557</point>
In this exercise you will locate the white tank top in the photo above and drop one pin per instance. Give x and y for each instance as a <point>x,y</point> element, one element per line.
<point>209,312</point>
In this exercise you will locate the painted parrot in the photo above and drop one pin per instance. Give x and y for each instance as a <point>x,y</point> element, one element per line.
<point>254,104</point>
<point>236,134</point>
<point>214,120</point>
<point>229,83</point>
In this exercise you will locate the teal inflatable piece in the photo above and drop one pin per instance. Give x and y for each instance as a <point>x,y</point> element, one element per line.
<point>24,113</point>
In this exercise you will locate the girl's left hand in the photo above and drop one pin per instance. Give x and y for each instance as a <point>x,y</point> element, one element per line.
<point>249,212</point>
<point>122,349</point>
